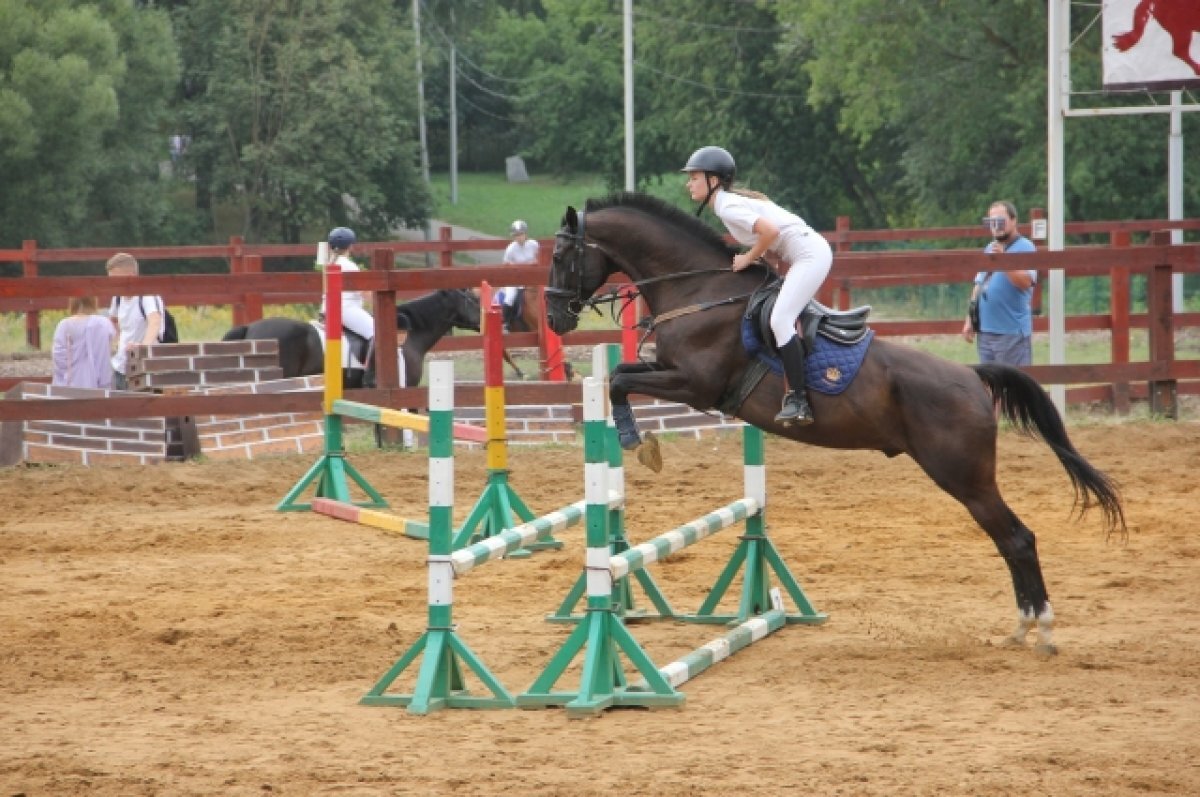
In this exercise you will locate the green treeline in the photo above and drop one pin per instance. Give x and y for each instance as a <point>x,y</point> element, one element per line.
<point>295,115</point>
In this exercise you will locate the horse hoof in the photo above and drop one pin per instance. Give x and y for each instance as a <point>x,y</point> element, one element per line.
<point>1012,642</point>
<point>1045,650</point>
<point>649,454</point>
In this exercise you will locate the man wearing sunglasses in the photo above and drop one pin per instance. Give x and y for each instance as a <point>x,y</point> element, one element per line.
<point>1005,317</point>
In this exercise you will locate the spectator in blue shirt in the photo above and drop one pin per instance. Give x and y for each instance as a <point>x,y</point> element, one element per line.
<point>1005,333</point>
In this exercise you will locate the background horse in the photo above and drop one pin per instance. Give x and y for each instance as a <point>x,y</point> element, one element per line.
<point>903,401</point>
<point>426,320</point>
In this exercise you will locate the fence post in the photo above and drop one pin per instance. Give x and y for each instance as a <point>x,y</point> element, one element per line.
<point>33,332</point>
<point>237,266</point>
<point>1038,233</point>
<point>1118,308</point>
<point>445,235</point>
<point>252,302</point>
<point>387,372</point>
<point>840,244</point>
<point>551,354</point>
<point>1163,396</point>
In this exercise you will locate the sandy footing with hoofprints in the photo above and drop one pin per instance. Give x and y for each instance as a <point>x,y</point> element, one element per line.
<point>163,631</point>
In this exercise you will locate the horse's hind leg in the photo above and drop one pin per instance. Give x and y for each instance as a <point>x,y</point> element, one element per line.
<point>1016,543</point>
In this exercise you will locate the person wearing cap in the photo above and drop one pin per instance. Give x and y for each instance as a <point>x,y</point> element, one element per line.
<point>755,221</point>
<point>1003,298</point>
<point>354,314</point>
<point>139,319</point>
<point>522,251</point>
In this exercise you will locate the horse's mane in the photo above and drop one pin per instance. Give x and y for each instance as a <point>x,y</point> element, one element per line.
<point>681,221</point>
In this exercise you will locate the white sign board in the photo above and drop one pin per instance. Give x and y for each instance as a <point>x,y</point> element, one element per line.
<point>1151,44</point>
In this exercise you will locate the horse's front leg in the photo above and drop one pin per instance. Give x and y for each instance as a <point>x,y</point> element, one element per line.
<point>646,379</point>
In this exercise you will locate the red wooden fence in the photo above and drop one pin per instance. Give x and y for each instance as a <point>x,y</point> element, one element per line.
<point>249,291</point>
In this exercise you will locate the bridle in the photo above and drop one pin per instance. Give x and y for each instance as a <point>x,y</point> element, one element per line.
<point>573,293</point>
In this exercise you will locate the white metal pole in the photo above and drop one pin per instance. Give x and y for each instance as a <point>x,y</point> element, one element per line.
<point>416,12</point>
<point>630,177</point>
<point>453,123</point>
<point>1057,101</point>
<point>1175,188</point>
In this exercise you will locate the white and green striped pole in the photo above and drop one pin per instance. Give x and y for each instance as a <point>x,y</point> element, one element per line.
<point>439,681</point>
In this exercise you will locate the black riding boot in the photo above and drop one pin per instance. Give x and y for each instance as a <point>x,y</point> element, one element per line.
<point>796,411</point>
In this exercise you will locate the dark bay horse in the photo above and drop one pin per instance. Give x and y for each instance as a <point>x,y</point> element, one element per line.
<point>903,401</point>
<point>426,320</point>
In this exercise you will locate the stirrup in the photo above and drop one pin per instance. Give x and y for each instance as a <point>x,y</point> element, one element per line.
<point>795,410</point>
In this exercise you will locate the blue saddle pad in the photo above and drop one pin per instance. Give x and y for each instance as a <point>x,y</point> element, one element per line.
<point>829,368</point>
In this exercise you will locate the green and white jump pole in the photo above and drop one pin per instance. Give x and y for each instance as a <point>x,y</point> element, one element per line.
<point>604,358</point>
<point>601,635</point>
<point>442,652</point>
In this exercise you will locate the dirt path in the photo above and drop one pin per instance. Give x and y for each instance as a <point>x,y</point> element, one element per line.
<point>164,632</point>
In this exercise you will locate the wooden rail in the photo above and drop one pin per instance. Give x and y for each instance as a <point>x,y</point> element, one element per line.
<point>249,290</point>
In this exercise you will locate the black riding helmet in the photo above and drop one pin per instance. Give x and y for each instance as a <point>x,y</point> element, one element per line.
<point>715,161</point>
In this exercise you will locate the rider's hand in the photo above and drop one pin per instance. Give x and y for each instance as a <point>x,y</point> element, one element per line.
<point>741,261</point>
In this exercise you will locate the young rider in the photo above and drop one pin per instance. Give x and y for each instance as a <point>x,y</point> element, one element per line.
<point>755,221</point>
<point>354,317</point>
<point>522,251</point>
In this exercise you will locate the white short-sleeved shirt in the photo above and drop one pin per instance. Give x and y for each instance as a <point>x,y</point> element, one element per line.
<point>349,298</point>
<point>522,253</point>
<point>132,321</point>
<point>739,213</point>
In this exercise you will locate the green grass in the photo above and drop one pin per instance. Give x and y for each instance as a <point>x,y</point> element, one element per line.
<point>489,203</point>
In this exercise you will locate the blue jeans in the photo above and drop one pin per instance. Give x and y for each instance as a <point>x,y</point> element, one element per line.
<point>1007,349</point>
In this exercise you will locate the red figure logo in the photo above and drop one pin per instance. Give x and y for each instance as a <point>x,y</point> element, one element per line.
<point>1179,18</point>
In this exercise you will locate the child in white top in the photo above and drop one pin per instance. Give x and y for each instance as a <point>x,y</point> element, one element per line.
<point>523,251</point>
<point>354,315</point>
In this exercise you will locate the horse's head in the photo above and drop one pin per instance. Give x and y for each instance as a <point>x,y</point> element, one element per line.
<point>577,270</point>
<point>464,308</point>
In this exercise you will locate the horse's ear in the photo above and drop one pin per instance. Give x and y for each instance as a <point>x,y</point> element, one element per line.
<point>571,219</point>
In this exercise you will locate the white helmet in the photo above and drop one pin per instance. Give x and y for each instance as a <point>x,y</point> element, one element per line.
<point>518,227</point>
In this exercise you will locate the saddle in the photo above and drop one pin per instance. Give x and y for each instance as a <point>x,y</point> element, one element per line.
<point>835,343</point>
<point>846,327</point>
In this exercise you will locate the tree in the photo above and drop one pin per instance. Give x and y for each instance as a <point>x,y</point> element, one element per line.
<point>301,114</point>
<point>85,88</point>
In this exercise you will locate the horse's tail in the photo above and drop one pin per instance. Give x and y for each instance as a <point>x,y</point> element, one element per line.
<point>1023,401</point>
<point>1141,15</point>
<point>237,333</point>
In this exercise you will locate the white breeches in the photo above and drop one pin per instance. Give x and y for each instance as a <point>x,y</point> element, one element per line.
<point>358,321</point>
<point>810,258</point>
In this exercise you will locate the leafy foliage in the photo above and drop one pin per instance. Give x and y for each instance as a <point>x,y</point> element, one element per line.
<point>301,113</point>
<point>85,88</point>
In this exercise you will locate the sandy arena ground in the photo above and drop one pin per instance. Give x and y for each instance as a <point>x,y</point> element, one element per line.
<point>163,631</point>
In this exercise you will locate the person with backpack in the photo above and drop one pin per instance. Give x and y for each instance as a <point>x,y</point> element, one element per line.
<point>140,320</point>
